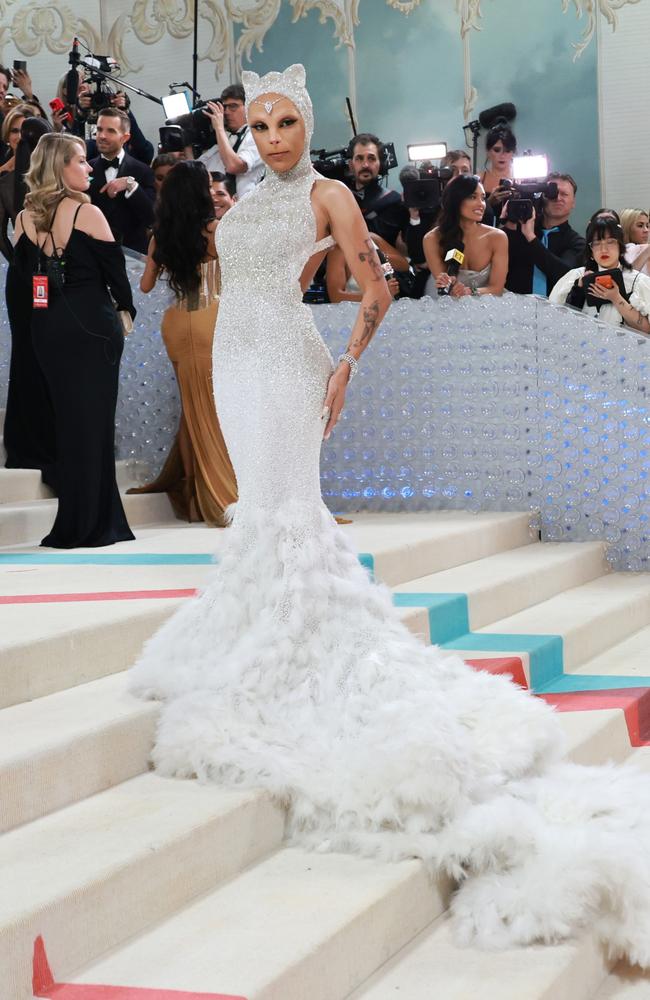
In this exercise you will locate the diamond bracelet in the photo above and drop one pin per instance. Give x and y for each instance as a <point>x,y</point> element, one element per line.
<point>353,363</point>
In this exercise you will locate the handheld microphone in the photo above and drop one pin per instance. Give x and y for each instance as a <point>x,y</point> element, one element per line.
<point>72,76</point>
<point>386,265</point>
<point>499,112</point>
<point>454,261</point>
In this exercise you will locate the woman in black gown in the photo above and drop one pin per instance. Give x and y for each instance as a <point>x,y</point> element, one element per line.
<point>29,417</point>
<point>77,338</point>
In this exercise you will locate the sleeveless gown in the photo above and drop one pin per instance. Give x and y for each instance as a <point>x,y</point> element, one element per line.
<point>473,279</point>
<point>187,330</point>
<point>292,672</point>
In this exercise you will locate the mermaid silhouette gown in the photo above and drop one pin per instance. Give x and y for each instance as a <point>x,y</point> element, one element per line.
<point>292,672</point>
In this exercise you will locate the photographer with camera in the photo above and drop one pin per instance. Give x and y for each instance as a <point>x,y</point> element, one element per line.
<point>91,104</point>
<point>607,286</point>
<point>542,246</point>
<point>458,160</point>
<point>235,153</point>
<point>381,207</point>
<point>465,256</point>
<point>121,186</point>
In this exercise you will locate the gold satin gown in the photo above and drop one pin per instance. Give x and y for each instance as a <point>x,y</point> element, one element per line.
<point>197,475</point>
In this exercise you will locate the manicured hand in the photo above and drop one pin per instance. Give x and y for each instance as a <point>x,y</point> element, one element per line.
<point>335,397</point>
<point>459,290</point>
<point>443,280</point>
<point>113,188</point>
<point>393,285</point>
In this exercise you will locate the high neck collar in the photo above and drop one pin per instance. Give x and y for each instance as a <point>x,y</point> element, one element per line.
<point>302,170</point>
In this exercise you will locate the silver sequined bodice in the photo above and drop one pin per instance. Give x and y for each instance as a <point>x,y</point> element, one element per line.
<point>270,365</point>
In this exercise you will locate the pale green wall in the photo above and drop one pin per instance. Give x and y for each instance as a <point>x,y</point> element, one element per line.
<point>410,78</point>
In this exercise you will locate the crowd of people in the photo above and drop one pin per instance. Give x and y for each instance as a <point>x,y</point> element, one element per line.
<point>82,184</point>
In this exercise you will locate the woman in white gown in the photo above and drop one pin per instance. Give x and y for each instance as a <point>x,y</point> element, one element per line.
<point>292,672</point>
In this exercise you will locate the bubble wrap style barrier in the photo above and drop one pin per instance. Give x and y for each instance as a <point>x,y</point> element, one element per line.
<point>482,404</point>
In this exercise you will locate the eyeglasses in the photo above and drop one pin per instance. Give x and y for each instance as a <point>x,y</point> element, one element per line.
<point>603,244</point>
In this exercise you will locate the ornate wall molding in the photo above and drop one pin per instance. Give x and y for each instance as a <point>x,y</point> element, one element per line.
<point>470,15</point>
<point>591,8</point>
<point>404,6</point>
<point>235,28</point>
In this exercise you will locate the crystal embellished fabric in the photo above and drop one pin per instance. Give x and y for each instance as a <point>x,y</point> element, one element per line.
<point>291,672</point>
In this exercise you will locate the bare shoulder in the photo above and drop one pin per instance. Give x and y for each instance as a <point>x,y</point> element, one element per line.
<point>431,237</point>
<point>92,220</point>
<point>495,235</point>
<point>330,193</point>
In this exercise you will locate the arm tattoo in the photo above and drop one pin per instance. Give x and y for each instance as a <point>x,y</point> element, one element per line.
<point>370,324</point>
<point>370,255</point>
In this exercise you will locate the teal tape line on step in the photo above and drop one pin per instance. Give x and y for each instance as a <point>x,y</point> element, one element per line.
<point>126,559</point>
<point>448,613</point>
<point>106,558</point>
<point>593,682</point>
<point>545,652</point>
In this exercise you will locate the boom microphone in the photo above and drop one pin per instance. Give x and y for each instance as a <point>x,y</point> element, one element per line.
<point>72,76</point>
<point>454,260</point>
<point>498,113</point>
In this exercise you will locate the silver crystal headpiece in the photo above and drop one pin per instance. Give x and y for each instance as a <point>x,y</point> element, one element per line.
<point>290,83</point>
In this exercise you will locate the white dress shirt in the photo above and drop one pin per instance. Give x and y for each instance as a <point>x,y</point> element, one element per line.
<point>247,152</point>
<point>111,173</point>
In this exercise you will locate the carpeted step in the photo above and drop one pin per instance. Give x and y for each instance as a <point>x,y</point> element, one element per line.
<point>96,873</point>
<point>410,545</point>
<point>68,746</point>
<point>295,926</point>
<point>434,966</point>
<point>26,522</point>
<point>73,744</point>
<point>511,581</point>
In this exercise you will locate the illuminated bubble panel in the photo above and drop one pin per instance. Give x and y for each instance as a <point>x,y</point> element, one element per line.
<point>481,404</point>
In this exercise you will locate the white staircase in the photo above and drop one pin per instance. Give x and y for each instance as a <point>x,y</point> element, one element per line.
<point>133,880</point>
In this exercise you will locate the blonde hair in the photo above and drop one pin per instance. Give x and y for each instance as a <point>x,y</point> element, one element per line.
<point>629,218</point>
<point>44,179</point>
<point>18,111</point>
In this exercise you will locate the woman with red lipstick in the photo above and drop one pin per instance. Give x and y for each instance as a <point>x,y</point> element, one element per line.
<point>605,259</point>
<point>500,148</point>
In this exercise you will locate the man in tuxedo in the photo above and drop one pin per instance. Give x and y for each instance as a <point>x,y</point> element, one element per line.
<point>121,186</point>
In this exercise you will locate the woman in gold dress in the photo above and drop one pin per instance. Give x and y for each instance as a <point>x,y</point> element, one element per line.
<point>197,476</point>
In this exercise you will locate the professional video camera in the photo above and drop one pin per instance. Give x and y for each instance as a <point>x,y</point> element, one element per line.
<point>102,93</point>
<point>425,193</point>
<point>189,128</point>
<point>333,163</point>
<point>527,200</point>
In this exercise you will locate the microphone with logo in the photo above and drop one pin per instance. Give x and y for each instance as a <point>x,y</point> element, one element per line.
<point>72,76</point>
<point>454,260</point>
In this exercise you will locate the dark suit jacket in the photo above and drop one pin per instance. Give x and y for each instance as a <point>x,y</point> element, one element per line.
<point>566,250</point>
<point>128,218</point>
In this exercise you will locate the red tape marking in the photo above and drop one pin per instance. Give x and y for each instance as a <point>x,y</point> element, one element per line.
<point>43,985</point>
<point>634,702</point>
<point>511,666</point>
<point>109,595</point>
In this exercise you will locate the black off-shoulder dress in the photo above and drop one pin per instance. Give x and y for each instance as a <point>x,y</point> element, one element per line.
<point>78,342</point>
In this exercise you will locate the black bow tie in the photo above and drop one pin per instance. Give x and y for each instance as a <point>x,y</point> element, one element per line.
<point>110,163</point>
